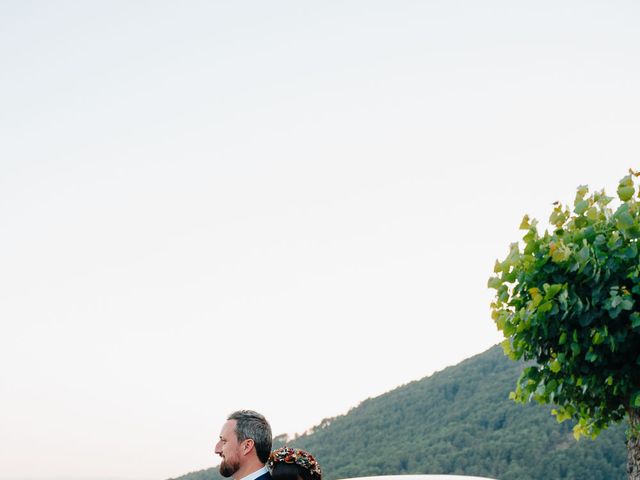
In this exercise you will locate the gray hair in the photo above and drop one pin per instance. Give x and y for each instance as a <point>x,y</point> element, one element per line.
<point>250,424</point>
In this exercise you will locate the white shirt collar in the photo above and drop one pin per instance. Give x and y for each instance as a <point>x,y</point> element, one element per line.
<point>256,474</point>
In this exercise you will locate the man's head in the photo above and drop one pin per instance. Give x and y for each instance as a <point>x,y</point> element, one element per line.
<point>245,443</point>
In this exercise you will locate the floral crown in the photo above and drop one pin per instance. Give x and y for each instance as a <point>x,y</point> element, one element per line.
<point>295,456</point>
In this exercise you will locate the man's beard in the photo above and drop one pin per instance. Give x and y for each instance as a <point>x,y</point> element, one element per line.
<point>227,469</point>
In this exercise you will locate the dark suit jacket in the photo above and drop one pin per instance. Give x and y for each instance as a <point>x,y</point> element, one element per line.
<point>264,476</point>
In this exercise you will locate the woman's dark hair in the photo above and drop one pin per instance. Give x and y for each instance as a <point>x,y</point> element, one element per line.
<point>289,471</point>
<point>287,463</point>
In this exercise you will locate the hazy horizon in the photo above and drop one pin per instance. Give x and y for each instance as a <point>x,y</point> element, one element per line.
<point>72,477</point>
<point>216,463</point>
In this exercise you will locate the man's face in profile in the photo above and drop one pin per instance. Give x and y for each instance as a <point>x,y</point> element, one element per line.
<point>228,448</point>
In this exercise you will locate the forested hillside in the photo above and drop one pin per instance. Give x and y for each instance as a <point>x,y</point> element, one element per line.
<point>458,421</point>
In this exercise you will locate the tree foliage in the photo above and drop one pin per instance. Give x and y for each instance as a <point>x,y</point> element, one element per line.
<point>569,299</point>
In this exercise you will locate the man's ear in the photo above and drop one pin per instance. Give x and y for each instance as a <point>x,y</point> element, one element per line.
<point>248,446</point>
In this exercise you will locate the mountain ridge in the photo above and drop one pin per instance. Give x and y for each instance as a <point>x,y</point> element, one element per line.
<point>458,420</point>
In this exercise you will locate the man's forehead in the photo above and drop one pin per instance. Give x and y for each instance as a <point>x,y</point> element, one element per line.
<point>228,428</point>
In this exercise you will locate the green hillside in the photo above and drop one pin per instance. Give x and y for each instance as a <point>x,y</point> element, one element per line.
<point>458,421</point>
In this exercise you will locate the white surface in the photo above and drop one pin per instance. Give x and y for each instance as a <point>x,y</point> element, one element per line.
<point>419,477</point>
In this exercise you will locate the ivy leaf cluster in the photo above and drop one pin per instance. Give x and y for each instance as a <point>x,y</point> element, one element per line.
<point>568,299</point>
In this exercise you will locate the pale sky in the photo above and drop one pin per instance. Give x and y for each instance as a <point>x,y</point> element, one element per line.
<point>283,206</point>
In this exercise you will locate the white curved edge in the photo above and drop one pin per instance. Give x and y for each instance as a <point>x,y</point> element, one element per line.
<point>419,477</point>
